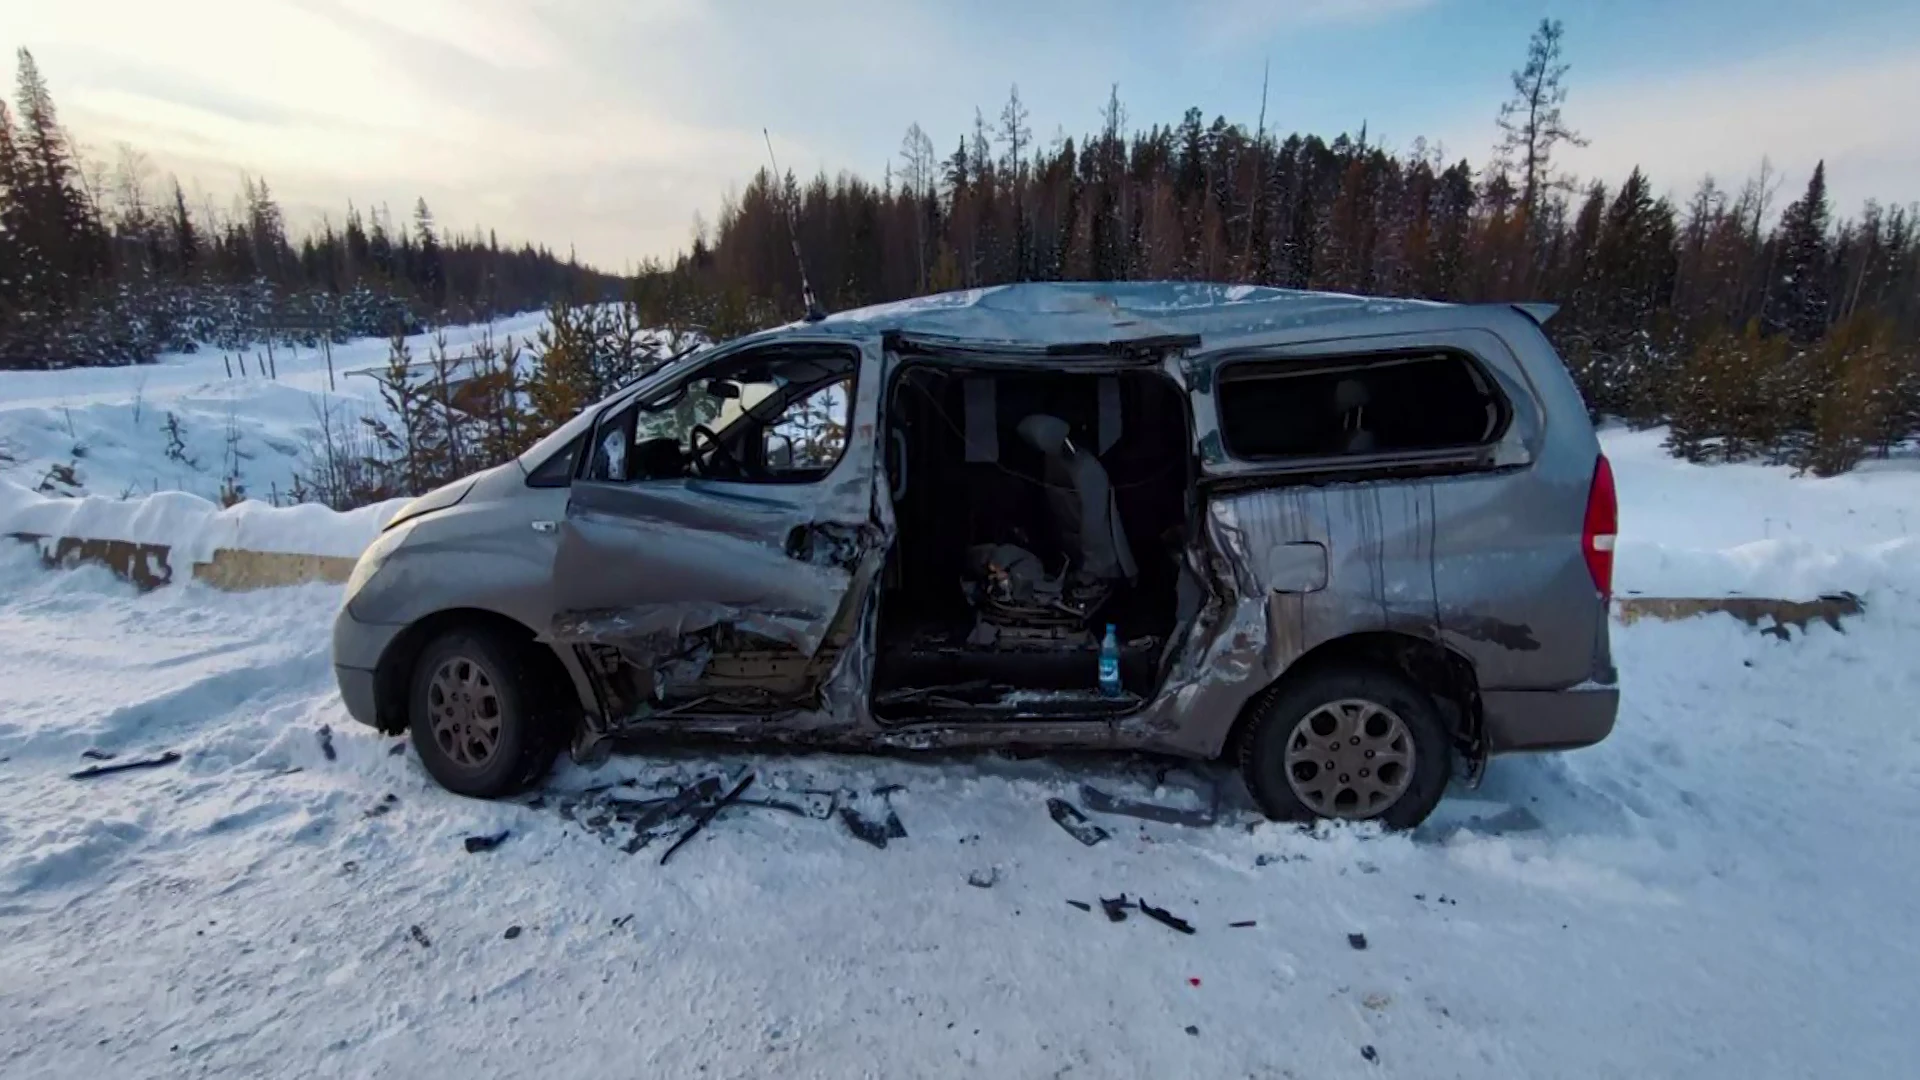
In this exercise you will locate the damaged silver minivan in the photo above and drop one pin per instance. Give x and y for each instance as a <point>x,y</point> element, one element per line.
<point>1358,545</point>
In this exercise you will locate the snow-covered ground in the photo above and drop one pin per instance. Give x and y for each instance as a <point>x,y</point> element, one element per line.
<point>110,425</point>
<point>1723,888</point>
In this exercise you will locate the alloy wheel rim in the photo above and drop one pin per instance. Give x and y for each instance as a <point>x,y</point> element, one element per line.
<point>1350,759</point>
<point>465,706</point>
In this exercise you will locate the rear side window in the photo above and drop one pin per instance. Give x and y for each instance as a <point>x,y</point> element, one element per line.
<point>1364,406</point>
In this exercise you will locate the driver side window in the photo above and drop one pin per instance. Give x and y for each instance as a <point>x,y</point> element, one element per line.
<point>780,417</point>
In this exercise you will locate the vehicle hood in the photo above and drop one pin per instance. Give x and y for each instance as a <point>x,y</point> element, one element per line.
<point>438,499</point>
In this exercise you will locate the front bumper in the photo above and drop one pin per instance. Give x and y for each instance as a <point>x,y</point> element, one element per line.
<point>357,648</point>
<point>1523,720</point>
<point>356,693</point>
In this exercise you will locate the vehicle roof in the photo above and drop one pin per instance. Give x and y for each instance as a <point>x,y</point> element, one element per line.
<point>1051,314</point>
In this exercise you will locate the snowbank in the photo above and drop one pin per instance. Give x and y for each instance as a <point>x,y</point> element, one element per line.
<point>1759,530</point>
<point>193,527</point>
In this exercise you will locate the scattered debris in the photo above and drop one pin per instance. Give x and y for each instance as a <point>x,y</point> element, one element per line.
<point>1100,802</point>
<point>477,844</point>
<point>1115,908</point>
<point>863,827</point>
<point>817,805</point>
<point>420,936</point>
<point>706,816</point>
<point>1165,917</point>
<point>349,866</point>
<point>1192,1030</point>
<point>326,742</point>
<point>1377,1001</point>
<point>1193,980</point>
<point>1081,904</point>
<point>1069,817</point>
<point>1369,1053</point>
<point>984,879</point>
<point>92,771</point>
<point>1241,925</point>
<point>97,755</point>
<point>512,932</point>
<point>385,805</point>
<point>622,921</point>
<point>1358,941</point>
<point>666,809</point>
<point>397,748</point>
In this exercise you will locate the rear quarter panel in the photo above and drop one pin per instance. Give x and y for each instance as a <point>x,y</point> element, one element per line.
<point>1514,593</point>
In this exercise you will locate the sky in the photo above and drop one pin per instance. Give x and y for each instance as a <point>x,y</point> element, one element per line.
<point>607,126</point>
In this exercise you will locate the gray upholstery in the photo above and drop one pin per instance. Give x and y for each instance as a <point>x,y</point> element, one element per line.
<point>1080,498</point>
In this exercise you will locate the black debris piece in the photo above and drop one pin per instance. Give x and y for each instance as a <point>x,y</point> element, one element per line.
<point>815,807</point>
<point>397,749</point>
<point>1164,917</point>
<point>706,815</point>
<point>420,936</point>
<point>984,879</point>
<point>1069,817</point>
<point>477,844</point>
<point>92,771</point>
<point>598,821</point>
<point>1192,1029</point>
<point>1100,802</point>
<point>863,827</point>
<point>895,830</point>
<point>701,790</point>
<point>326,742</point>
<point>512,932</point>
<point>384,805</point>
<point>1358,941</point>
<point>97,755</point>
<point>349,866</point>
<point>1370,1053</point>
<point>1242,925</point>
<point>622,921</point>
<point>1081,904</point>
<point>1115,908</point>
<point>1420,896</point>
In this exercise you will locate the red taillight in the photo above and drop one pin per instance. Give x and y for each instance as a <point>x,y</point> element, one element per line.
<point>1603,522</point>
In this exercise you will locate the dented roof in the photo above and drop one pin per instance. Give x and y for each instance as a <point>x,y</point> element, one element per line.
<point>1075,313</point>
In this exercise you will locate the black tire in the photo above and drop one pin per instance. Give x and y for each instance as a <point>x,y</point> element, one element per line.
<point>1263,752</point>
<point>527,732</point>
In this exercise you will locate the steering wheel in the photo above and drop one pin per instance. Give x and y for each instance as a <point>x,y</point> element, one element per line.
<point>706,460</point>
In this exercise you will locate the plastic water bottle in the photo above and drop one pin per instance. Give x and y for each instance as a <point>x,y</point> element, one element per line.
<point>1110,664</point>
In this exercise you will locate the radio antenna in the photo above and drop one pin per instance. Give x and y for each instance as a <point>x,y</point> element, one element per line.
<point>814,313</point>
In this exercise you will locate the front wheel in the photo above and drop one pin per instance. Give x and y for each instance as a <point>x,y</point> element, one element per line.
<point>1356,744</point>
<point>476,717</point>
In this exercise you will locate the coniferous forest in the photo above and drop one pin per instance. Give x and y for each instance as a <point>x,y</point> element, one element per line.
<point>1759,323</point>
<point>107,263</point>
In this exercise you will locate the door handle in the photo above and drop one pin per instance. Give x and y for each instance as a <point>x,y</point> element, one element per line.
<point>546,526</point>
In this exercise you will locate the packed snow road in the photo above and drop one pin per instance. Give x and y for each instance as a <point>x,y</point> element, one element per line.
<point>1724,888</point>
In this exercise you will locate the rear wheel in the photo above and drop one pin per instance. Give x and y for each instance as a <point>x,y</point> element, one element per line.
<point>479,716</point>
<point>1356,744</point>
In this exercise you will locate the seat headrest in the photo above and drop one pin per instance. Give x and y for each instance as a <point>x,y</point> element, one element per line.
<point>1047,434</point>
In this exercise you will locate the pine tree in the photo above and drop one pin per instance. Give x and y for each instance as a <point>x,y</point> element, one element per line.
<point>429,275</point>
<point>1797,303</point>
<point>1530,122</point>
<point>185,239</point>
<point>13,250</point>
<point>60,231</point>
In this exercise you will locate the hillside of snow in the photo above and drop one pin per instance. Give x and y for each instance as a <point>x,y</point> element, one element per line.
<point>105,431</point>
<point>1723,888</point>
